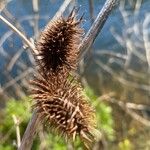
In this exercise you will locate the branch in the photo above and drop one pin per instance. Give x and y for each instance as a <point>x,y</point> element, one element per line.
<point>62,9</point>
<point>13,81</point>
<point>96,27</point>
<point>23,37</point>
<point>133,114</point>
<point>124,81</point>
<point>17,122</point>
<point>30,132</point>
<point>146,38</point>
<point>91,9</point>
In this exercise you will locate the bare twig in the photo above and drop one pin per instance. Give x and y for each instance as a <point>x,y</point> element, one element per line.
<point>16,122</point>
<point>42,137</point>
<point>35,4</point>
<point>14,59</point>
<point>13,81</point>
<point>5,54</point>
<point>137,106</point>
<point>62,9</point>
<point>96,27</point>
<point>122,57</point>
<point>146,39</point>
<point>17,90</point>
<point>107,96</point>
<point>30,132</point>
<point>122,80</point>
<point>5,137</point>
<point>135,116</point>
<point>23,37</point>
<point>111,54</point>
<point>130,112</point>
<point>91,8</point>
<point>3,3</point>
<point>14,21</point>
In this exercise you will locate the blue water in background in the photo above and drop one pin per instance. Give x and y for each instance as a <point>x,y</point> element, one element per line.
<point>105,40</point>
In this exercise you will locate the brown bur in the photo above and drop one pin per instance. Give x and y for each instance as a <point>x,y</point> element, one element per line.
<point>58,99</point>
<point>57,47</point>
<point>64,106</point>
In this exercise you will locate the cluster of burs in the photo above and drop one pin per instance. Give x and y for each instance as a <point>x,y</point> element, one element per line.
<point>58,97</point>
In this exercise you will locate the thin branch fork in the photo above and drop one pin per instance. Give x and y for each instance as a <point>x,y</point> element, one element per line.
<point>127,107</point>
<point>31,45</point>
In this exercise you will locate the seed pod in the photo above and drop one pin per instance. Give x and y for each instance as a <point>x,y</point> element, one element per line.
<point>58,100</point>
<point>57,48</point>
<point>64,107</point>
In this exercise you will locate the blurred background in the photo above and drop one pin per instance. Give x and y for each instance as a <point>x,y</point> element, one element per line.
<point>115,73</point>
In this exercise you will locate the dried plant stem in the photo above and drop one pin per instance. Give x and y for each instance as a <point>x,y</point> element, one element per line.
<point>106,68</point>
<point>62,9</point>
<point>13,81</point>
<point>28,137</point>
<point>96,27</point>
<point>146,39</point>
<point>91,9</point>
<point>126,107</point>
<point>35,5</point>
<point>24,38</point>
<point>16,122</point>
<point>27,140</point>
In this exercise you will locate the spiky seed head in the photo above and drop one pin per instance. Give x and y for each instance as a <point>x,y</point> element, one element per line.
<point>57,99</point>
<point>64,107</point>
<point>57,47</point>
